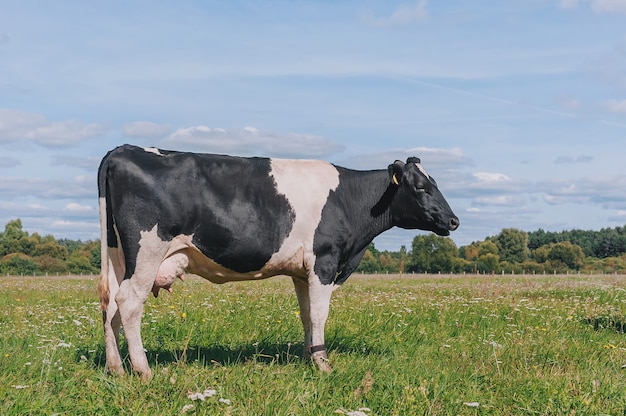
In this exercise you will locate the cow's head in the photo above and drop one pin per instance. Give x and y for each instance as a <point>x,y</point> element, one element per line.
<point>417,202</point>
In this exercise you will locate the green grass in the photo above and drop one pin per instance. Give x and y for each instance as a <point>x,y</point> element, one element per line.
<point>399,345</point>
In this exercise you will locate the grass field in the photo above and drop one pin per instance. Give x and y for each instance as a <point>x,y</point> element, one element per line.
<point>399,345</point>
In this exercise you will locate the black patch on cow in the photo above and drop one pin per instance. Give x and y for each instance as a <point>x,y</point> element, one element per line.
<point>385,201</point>
<point>229,204</point>
<point>348,223</point>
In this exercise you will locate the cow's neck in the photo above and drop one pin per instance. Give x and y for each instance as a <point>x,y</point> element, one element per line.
<point>372,193</point>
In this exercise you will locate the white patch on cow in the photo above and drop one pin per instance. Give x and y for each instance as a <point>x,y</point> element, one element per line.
<point>153,150</point>
<point>306,184</point>
<point>421,169</point>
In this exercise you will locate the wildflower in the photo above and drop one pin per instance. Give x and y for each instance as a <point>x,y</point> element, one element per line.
<point>183,315</point>
<point>77,323</point>
<point>471,404</point>
<point>202,396</point>
<point>187,408</point>
<point>225,401</point>
<point>19,387</point>
<point>196,396</point>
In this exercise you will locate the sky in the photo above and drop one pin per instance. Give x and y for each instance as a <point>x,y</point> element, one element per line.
<point>516,108</point>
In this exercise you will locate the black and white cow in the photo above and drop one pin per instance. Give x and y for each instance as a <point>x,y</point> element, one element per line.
<point>231,218</point>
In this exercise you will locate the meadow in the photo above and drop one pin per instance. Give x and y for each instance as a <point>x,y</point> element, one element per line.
<point>399,345</point>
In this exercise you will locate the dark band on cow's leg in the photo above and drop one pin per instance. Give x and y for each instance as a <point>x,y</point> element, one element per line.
<point>312,349</point>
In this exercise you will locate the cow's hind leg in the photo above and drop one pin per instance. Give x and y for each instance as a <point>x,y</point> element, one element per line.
<point>110,314</point>
<point>314,301</point>
<point>111,320</point>
<point>134,292</point>
<point>130,299</point>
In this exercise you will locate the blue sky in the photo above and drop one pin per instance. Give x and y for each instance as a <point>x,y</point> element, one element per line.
<point>517,108</point>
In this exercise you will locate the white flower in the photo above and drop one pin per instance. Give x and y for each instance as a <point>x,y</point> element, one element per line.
<point>196,396</point>
<point>471,404</point>
<point>225,401</point>
<point>187,408</point>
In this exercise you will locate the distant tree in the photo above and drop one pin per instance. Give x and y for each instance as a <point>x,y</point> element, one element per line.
<point>71,245</point>
<point>49,264</point>
<point>79,264</point>
<point>469,252</point>
<point>512,245</point>
<point>433,254</point>
<point>17,264</point>
<point>49,246</point>
<point>488,257</point>
<point>369,263</point>
<point>13,238</point>
<point>568,254</point>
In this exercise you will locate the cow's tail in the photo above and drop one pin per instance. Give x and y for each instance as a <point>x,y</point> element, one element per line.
<point>106,223</point>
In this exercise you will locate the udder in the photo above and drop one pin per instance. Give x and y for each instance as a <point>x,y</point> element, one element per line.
<point>171,268</point>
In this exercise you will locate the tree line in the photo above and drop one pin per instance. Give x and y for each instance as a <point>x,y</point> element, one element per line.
<point>22,253</point>
<point>511,251</point>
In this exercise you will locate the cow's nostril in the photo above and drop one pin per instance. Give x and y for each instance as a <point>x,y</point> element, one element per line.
<point>454,223</point>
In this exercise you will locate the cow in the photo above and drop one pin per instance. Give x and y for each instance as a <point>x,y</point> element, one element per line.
<point>227,218</point>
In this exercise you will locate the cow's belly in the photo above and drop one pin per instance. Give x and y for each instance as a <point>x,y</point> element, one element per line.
<point>191,260</point>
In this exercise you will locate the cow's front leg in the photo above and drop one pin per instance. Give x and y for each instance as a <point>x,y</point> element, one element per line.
<point>314,301</point>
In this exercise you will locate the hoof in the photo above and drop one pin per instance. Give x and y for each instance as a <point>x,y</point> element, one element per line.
<point>322,363</point>
<point>116,371</point>
<point>146,376</point>
<point>318,355</point>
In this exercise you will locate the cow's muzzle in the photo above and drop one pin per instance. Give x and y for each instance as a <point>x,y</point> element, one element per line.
<point>453,223</point>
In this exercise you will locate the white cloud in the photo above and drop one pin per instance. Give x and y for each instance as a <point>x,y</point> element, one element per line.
<point>9,162</point>
<point>13,186</point>
<point>251,141</point>
<point>87,163</point>
<point>402,15</point>
<point>491,177</point>
<point>568,4</point>
<point>562,159</point>
<point>500,200</point>
<point>146,130</point>
<point>616,106</point>
<point>433,159</point>
<point>608,6</point>
<point>19,125</point>
<point>606,191</point>
<point>76,208</point>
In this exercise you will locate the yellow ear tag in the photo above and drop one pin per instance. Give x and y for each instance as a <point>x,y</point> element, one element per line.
<point>395,179</point>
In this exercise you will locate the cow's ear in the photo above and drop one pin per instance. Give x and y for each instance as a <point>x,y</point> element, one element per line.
<point>396,172</point>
